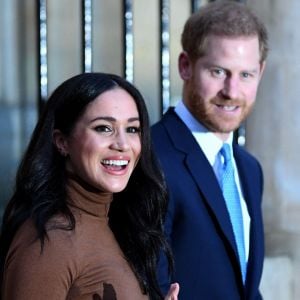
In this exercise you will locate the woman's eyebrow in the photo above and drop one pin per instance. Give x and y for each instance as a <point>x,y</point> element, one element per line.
<point>111,119</point>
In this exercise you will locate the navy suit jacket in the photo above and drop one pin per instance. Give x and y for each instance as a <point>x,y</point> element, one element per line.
<point>197,223</point>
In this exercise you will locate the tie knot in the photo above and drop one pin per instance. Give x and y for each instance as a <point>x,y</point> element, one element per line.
<point>226,153</point>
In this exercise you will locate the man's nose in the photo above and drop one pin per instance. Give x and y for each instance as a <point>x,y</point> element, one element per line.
<point>231,88</point>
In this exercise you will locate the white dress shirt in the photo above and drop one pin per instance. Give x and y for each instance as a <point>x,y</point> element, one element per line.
<point>211,145</point>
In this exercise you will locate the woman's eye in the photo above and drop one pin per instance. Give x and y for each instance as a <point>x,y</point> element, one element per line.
<point>103,128</point>
<point>133,129</point>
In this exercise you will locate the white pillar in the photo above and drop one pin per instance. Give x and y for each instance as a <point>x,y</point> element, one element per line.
<point>273,135</point>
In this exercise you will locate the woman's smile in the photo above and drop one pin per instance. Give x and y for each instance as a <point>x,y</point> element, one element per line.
<point>105,145</point>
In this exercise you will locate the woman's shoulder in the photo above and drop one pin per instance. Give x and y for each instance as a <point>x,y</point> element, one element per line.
<point>59,244</point>
<point>26,239</point>
<point>56,254</point>
<point>40,267</point>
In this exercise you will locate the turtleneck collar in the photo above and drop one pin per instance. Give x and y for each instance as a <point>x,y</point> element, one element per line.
<point>87,198</point>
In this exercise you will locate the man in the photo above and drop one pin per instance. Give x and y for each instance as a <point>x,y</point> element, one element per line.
<point>216,256</point>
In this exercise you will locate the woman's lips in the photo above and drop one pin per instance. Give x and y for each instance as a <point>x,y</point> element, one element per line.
<point>115,165</point>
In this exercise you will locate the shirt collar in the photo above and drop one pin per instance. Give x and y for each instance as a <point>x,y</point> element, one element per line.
<point>208,141</point>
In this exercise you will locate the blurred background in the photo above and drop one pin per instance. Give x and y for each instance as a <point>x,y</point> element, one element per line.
<point>44,42</point>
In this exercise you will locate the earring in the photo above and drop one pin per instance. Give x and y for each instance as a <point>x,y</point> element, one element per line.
<point>62,152</point>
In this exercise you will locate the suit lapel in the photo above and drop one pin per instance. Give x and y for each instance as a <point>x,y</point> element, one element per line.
<point>252,195</point>
<point>202,172</point>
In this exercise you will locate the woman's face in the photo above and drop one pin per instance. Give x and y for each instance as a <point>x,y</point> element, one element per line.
<point>105,144</point>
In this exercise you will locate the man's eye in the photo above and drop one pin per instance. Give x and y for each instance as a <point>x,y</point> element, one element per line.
<point>103,128</point>
<point>133,129</point>
<point>218,72</point>
<point>246,75</point>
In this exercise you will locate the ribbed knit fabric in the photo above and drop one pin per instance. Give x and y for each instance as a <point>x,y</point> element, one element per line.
<point>86,263</point>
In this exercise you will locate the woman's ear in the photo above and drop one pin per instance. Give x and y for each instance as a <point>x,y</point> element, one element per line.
<point>184,66</point>
<point>60,142</point>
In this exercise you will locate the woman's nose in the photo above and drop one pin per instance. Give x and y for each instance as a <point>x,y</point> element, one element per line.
<point>120,142</point>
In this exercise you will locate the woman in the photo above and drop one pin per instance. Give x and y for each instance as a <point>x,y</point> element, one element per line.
<point>62,236</point>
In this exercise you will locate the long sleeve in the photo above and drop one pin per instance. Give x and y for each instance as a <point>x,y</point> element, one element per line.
<point>32,274</point>
<point>84,263</point>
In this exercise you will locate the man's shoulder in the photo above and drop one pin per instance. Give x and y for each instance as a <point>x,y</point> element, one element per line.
<point>244,155</point>
<point>165,116</point>
<point>159,128</point>
<point>243,151</point>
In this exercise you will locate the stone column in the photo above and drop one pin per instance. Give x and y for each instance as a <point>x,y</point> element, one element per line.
<point>273,135</point>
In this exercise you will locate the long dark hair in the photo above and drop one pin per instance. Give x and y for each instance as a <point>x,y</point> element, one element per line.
<point>136,214</point>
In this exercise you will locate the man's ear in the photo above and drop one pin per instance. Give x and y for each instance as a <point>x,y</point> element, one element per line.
<point>60,142</point>
<point>262,68</point>
<point>184,66</point>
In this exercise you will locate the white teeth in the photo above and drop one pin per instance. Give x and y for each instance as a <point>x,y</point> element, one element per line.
<point>115,162</point>
<point>229,108</point>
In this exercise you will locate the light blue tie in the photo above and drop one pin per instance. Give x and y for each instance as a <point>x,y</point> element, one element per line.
<point>232,199</point>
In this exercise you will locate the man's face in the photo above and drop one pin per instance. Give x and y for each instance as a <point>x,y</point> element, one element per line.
<point>220,87</point>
